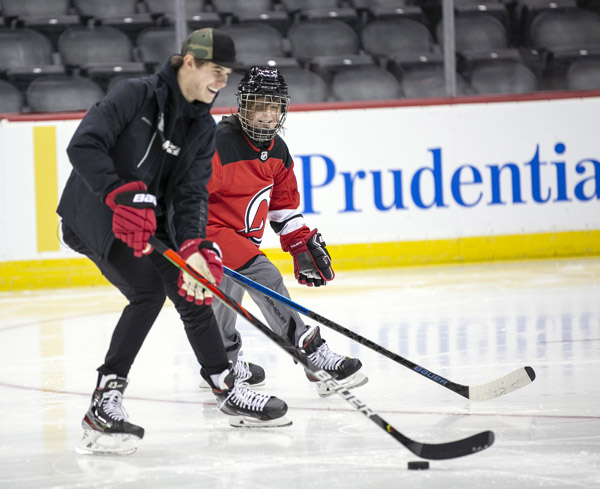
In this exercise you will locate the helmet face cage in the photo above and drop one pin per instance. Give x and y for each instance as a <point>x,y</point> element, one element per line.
<point>262,91</point>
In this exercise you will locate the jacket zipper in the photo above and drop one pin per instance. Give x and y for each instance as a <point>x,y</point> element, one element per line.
<point>147,150</point>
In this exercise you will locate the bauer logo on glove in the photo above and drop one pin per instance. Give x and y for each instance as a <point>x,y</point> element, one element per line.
<point>312,262</point>
<point>134,220</point>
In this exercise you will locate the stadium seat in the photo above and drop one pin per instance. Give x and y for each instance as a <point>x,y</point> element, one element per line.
<point>495,8</point>
<point>502,77</point>
<point>361,83</point>
<point>477,32</point>
<point>26,54</point>
<point>156,44</point>
<point>429,81</point>
<point>227,95</point>
<point>263,11</point>
<point>325,46</point>
<point>100,52</point>
<point>24,47</point>
<point>389,9</point>
<point>324,38</point>
<point>121,14</point>
<point>167,7</point>
<point>561,37</point>
<point>196,13</point>
<point>255,42</point>
<point>11,99</point>
<point>383,38</point>
<point>527,10</point>
<point>584,74</point>
<point>565,31</point>
<point>49,17</point>
<point>304,87</point>
<point>60,94</point>
<point>231,7</point>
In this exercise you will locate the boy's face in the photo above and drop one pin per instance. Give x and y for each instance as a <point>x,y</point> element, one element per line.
<point>264,112</point>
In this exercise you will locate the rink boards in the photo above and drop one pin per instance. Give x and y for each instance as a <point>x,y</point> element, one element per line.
<point>387,185</point>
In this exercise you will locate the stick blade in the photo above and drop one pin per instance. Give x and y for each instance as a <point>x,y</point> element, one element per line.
<point>453,449</point>
<point>504,385</point>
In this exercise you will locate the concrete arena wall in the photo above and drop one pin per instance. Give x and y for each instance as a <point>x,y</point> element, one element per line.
<point>387,185</point>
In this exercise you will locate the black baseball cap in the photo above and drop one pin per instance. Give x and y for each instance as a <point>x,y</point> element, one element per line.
<point>212,45</point>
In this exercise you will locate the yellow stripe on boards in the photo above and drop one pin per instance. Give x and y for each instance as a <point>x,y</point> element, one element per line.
<point>39,274</point>
<point>46,187</point>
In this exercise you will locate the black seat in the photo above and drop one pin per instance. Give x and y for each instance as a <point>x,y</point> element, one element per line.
<point>495,8</point>
<point>304,86</point>
<point>156,44</point>
<point>360,83</point>
<point>565,31</point>
<point>326,45</point>
<point>429,81</point>
<point>227,95</point>
<point>562,37</point>
<point>50,17</point>
<point>11,99</point>
<point>196,14</point>
<point>477,32</point>
<point>167,7</point>
<point>326,38</point>
<point>253,11</point>
<point>255,42</point>
<point>502,77</point>
<point>389,9</point>
<point>100,52</point>
<point>384,38</point>
<point>26,54</point>
<point>121,14</point>
<point>584,74</point>
<point>62,93</point>
<point>24,47</point>
<point>321,10</point>
<point>527,10</point>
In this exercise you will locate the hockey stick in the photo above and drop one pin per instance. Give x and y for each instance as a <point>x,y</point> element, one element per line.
<point>442,451</point>
<point>499,387</point>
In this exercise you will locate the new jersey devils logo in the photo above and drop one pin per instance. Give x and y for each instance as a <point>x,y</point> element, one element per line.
<point>256,215</point>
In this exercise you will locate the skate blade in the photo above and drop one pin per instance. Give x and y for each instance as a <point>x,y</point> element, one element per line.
<point>355,380</point>
<point>248,422</point>
<point>97,443</point>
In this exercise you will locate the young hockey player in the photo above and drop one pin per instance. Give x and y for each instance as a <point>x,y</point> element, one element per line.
<point>252,182</point>
<point>141,160</point>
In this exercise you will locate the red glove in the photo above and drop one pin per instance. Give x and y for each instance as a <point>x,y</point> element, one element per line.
<point>312,262</point>
<point>205,257</point>
<point>134,220</point>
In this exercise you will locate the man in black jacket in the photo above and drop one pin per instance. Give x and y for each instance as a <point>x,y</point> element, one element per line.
<point>141,162</point>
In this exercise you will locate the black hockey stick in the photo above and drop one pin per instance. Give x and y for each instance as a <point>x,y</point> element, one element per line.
<point>441,451</point>
<point>508,383</point>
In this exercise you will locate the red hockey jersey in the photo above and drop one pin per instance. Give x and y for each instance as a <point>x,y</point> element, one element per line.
<point>248,187</point>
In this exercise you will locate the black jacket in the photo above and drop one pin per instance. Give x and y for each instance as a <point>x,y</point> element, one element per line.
<point>133,134</point>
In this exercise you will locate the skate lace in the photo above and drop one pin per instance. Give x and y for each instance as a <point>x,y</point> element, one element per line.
<point>242,370</point>
<point>243,397</point>
<point>112,405</point>
<point>325,358</point>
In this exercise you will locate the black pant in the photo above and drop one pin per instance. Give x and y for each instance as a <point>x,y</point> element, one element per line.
<point>146,282</point>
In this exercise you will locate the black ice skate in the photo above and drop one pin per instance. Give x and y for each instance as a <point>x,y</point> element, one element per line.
<point>343,369</point>
<point>246,408</point>
<point>252,374</point>
<point>105,425</point>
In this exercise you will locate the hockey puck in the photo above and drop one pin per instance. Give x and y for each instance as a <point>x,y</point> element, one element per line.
<point>420,465</point>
